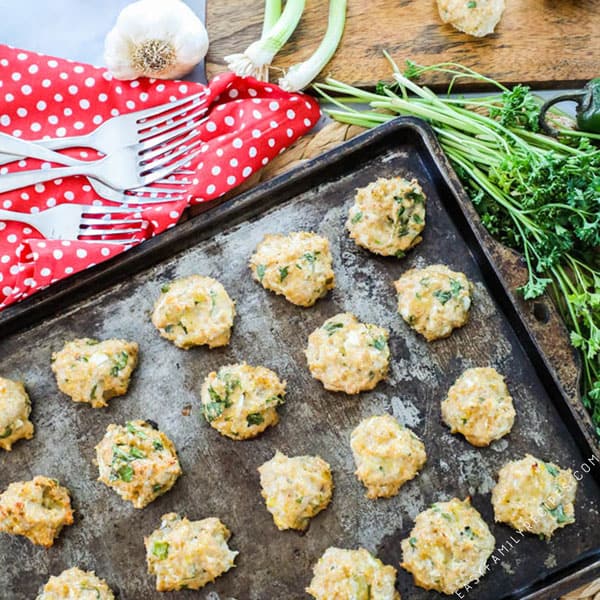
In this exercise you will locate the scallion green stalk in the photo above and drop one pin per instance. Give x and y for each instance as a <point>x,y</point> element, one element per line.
<point>272,14</point>
<point>302,74</point>
<point>255,60</point>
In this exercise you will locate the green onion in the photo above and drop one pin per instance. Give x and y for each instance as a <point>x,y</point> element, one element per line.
<point>254,419</point>
<point>120,362</point>
<point>559,514</point>
<point>442,295</point>
<point>136,453</point>
<point>160,550</point>
<point>136,431</point>
<point>379,343</point>
<point>272,14</point>
<point>283,273</point>
<point>255,60</point>
<point>260,271</point>
<point>125,473</point>
<point>331,328</point>
<point>300,75</point>
<point>455,286</point>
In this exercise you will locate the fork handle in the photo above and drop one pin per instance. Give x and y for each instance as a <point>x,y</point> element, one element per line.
<point>9,215</point>
<point>15,146</point>
<point>75,141</point>
<point>13,181</point>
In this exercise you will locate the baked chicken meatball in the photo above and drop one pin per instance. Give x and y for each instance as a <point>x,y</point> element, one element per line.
<point>386,454</point>
<point>15,408</point>
<point>388,216</point>
<point>295,489</point>
<point>187,554</point>
<point>92,371</point>
<point>241,401</point>
<point>434,300</point>
<point>534,496</point>
<point>37,509</point>
<point>475,17</point>
<point>75,584</point>
<point>352,575</point>
<point>479,406</point>
<point>194,311</point>
<point>139,462</point>
<point>346,355</point>
<point>297,266</point>
<point>448,547</point>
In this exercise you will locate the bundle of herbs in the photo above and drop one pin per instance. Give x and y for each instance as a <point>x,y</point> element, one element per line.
<point>537,194</point>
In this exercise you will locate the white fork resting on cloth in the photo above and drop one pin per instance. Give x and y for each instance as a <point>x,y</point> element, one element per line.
<point>130,129</point>
<point>79,222</point>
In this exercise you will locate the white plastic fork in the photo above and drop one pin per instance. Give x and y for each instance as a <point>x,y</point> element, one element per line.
<point>77,222</point>
<point>126,130</point>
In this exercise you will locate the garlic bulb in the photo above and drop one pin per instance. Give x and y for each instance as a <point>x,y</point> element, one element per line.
<point>163,39</point>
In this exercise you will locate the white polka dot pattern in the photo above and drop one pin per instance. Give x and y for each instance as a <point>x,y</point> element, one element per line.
<point>249,124</point>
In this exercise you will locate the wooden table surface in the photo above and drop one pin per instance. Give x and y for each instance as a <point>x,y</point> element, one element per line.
<point>548,43</point>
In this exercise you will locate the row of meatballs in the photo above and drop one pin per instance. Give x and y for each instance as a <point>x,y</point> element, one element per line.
<point>240,401</point>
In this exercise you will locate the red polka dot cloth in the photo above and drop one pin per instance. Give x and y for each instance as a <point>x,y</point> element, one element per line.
<point>249,123</point>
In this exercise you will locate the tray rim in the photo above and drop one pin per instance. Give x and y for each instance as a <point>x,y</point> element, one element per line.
<point>65,294</point>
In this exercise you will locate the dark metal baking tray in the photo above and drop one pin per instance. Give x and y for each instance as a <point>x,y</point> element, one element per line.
<point>220,476</point>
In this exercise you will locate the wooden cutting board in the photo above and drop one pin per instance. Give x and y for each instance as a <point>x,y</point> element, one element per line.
<point>546,43</point>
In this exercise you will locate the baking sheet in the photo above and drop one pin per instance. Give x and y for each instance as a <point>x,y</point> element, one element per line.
<point>220,477</point>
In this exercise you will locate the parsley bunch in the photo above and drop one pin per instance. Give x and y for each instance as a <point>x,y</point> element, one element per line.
<point>537,194</point>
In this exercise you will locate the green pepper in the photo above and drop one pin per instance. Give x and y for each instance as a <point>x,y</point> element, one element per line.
<point>588,108</point>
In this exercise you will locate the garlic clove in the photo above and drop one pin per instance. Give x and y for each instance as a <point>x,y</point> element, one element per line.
<point>116,56</point>
<point>163,39</point>
<point>189,45</point>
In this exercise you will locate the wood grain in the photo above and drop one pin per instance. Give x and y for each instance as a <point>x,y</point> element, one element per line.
<point>546,43</point>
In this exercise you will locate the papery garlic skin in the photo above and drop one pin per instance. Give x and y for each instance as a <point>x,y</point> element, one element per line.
<point>163,39</point>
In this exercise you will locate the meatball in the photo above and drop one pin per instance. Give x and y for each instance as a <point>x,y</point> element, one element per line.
<point>295,489</point>
<point>388,216</point>
<point>386,454</point>
<point>297,266</point>
<point>479,406</point>
<point>475,17</point>
<point>535,496</point>
<point>346,355</point>
<point>241,401</point>
<point>137,461</point>
<point>187,554</point>
<point>352,574</point>
<point>193,311</point>
<point>94,372</point>
<point>15,408</point>
<point>75,584</point>
<point>37,509</point>
<point>448,547</point>
<point>434,300</point>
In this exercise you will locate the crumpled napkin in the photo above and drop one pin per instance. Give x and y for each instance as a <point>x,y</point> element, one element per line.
<point>249,123</point>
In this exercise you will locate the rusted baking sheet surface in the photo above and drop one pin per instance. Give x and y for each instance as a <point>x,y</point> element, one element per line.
<point>220,477</point>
